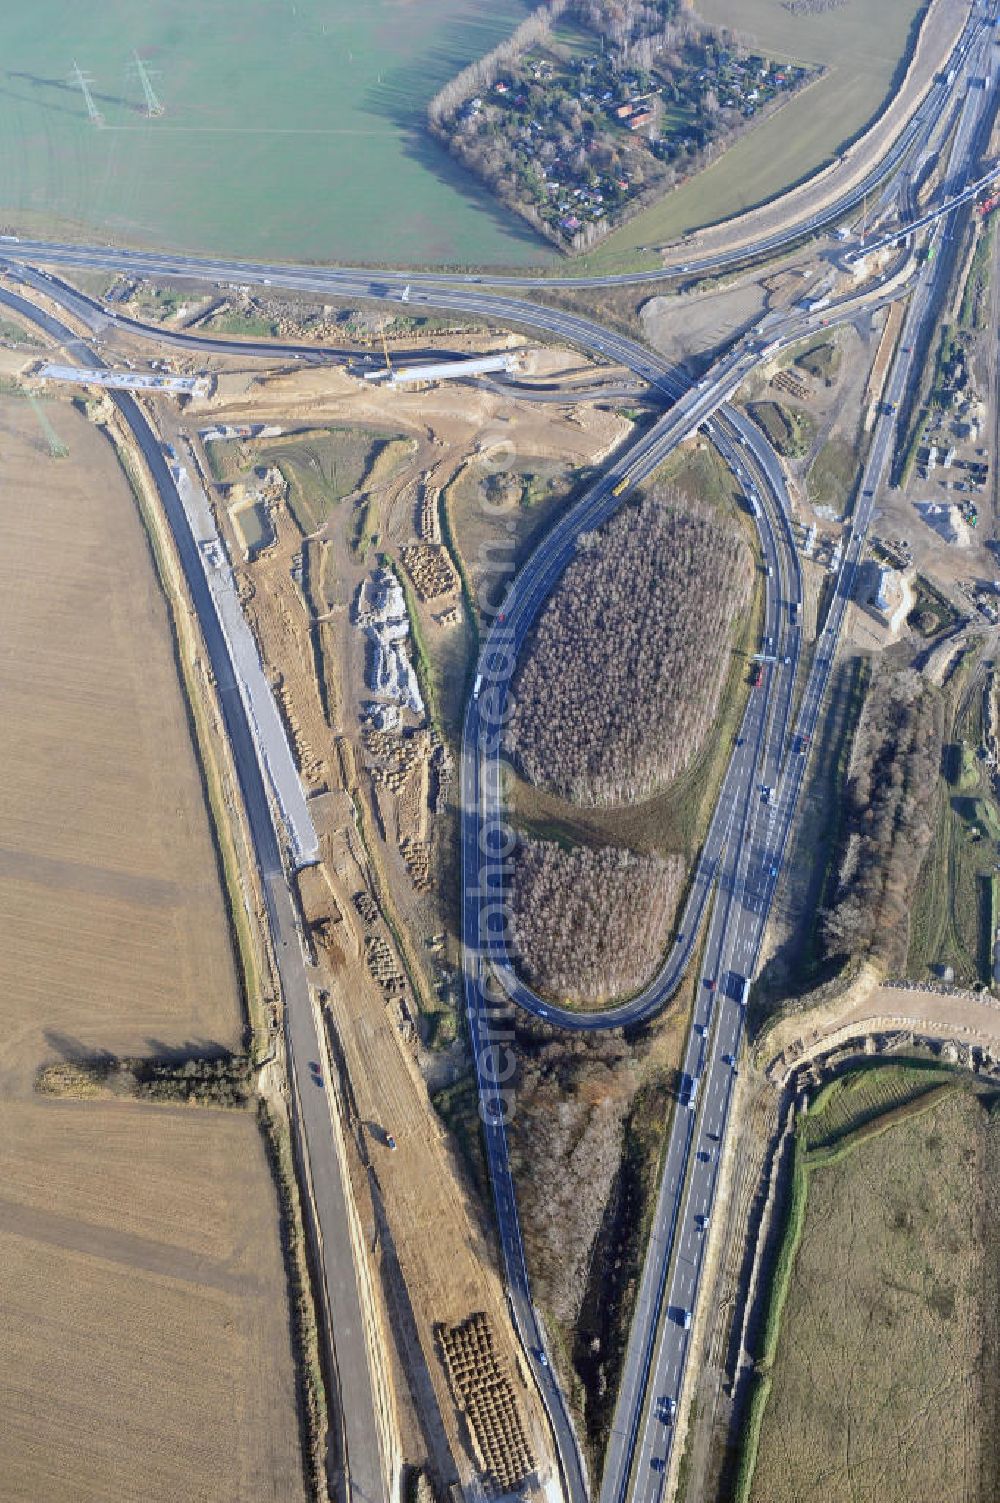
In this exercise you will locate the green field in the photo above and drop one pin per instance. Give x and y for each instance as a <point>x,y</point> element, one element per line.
<point>859,45</point>
<point>291,128</point>
<point>876,1371</point>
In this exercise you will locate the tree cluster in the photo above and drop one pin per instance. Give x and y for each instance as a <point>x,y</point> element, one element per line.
<point>484,72</point>
<point>216,1080</point>
<point>888,818</point>
<point>573,1099</point>
<point>635,29</point>
<point>591,925</point>
<point>545,131</point>
<point>623,676</point>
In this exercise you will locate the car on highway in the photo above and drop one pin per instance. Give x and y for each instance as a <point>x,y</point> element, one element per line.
<point>540,1354</point>
<point>666,1408</point>
<point>710,983</point>
<point>686,1319</point>
<point>658,1463</point>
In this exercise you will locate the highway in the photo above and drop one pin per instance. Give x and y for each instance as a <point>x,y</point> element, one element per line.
<point>348,1363</point>
<point>343,281</point>
<point>655,1368</point>
<point>740,863</point>
<point>701,404</point>
<point>229,271</point>
<point>742,444</point>
<point>737,871</point>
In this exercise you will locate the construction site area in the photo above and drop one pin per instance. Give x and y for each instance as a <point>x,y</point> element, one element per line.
<point>359,521</point>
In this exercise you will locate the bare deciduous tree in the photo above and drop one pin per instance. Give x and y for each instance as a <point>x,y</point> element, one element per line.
<point>888,818</point>
<point>566,1138</point>
<point>591,925</point>
<point>622,680</point>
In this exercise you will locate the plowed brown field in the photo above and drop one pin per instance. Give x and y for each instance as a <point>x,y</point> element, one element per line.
<point>144,1350</point>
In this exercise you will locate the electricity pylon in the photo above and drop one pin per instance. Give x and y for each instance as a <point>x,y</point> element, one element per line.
<point>57,448</point>
<point>153,105</point>
<point>83,82</point>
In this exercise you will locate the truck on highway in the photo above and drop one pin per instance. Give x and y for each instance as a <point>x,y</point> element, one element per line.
<point>477,686</point>
<point>756,674</point>
<point>738,987</point>
<point>793,612</point>
<point>689,1092</point>
<point>621,487</point>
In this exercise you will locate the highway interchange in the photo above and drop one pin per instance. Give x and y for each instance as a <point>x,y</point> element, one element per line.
<point>740,863</point>
<point>741,859</point>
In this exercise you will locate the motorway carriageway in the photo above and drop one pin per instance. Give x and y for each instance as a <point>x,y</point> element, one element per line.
<point>732,945</point>
<point>744,447</point>
<point>750,899</point>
